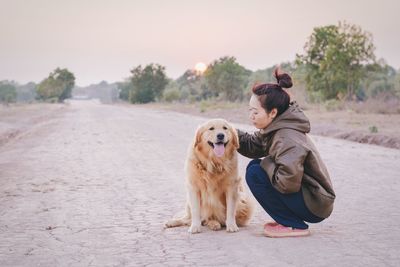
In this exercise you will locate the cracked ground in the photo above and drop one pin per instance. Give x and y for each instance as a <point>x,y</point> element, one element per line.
<point>93,184</point>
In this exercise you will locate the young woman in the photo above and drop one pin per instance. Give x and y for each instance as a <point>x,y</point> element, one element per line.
<point>290,182</point>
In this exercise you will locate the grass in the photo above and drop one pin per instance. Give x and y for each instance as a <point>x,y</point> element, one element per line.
<point>352,121</point>
<point>207,105</point>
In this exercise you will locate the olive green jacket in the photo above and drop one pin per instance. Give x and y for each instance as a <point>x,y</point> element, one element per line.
<point>291,159</point>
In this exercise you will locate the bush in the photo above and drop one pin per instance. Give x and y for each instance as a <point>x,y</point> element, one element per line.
<point>148,83</point>
<point>373,129</point>
<point>171,95</point>
<point>316,96</point>
<point>58,85</point>
<point>226,78</point>
<point>8,93</point>
<point>204,105</point>
<point>333,105</point>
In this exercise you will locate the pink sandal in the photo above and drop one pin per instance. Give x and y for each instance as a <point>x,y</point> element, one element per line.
<point>276,230</point>
<point>271,223</point>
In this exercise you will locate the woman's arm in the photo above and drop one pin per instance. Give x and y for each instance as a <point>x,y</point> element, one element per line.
<point>250,145</point>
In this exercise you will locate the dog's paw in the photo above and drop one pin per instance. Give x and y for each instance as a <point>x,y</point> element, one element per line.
<point>194,229</point>
<point>214,225</point>
<point>169,224</point>
<point>232,227</point>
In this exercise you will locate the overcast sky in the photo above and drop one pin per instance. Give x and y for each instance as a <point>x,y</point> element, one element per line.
<point>103,40</point>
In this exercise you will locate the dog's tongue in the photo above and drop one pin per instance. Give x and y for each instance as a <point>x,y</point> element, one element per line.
<point>219,150</point>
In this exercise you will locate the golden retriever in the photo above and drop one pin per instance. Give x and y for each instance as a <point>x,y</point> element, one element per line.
<point>215,194</point>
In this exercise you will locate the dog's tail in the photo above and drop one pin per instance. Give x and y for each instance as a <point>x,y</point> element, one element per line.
<point>245,208</point>
<point>181,220</point>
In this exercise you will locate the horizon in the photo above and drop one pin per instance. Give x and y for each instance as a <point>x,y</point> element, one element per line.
<point>102,41</point>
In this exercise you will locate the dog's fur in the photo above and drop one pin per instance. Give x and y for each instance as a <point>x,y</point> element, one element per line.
<point>215,193</point>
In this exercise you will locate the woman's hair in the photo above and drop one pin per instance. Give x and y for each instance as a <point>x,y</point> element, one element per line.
<point>272,95</point>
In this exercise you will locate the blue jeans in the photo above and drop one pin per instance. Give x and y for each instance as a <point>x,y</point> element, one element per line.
<point>286,209</point>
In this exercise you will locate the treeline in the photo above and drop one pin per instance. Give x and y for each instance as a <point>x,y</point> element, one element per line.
<point>224,79</point>
<point>104,91</point>
<point>338,63</point>
<point>11,91</point>
<point>55,88</point>
<point>58,86</point>
<point>227,80</point>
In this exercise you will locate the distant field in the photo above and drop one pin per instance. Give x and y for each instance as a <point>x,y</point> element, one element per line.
<point>379,129</point>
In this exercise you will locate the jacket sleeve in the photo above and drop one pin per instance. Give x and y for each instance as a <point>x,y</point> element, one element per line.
<point>285,165</point>
<point>250,145</point>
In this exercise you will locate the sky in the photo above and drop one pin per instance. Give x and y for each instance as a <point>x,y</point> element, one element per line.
<point>103,40</point>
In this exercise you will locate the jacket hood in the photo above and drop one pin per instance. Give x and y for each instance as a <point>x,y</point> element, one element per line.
<point>292,118</point>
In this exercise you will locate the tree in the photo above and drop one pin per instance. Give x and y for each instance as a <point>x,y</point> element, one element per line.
<point>148,83</point>
<point>124,89</point>
<point>192,86</point>
<point>27,92</point>
<point>227,78</point>
<point>335,57</point>
<point>67,79</point>
<point>172,92</point>
<point>379,81</point>
<point>8,93</point>
<point>267,75</point>
<point>397,84</point>
<point>57,86</point>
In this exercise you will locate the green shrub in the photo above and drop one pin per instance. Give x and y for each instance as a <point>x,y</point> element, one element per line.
<point>373,129</point>
<point>8,93</point>
<point>333,105</point>
<point>171,95</point>
<point>204,105</point>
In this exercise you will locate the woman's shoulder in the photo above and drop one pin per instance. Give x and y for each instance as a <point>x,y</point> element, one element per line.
<point>289,135</point>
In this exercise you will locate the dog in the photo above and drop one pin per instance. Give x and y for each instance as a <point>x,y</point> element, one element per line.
<point>215,195</point>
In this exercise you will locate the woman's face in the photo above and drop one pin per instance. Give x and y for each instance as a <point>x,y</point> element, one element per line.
<point>258,116</point>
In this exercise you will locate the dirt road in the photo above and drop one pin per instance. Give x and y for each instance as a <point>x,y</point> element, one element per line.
<point>94,185</point>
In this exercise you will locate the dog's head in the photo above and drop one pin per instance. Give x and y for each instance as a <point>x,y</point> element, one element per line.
<point>218,136</point>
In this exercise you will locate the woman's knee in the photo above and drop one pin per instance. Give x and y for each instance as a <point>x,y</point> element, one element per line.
<point>253,162</point>
<point>255,175</point>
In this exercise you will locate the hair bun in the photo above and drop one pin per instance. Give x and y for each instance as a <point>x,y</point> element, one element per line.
<point>283,80</point>
<point>259,88</point>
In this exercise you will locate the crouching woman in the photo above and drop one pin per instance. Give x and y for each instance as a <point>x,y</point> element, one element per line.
<point>287,175</point>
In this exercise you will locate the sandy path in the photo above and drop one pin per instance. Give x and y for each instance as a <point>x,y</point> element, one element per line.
<point>94,186</point>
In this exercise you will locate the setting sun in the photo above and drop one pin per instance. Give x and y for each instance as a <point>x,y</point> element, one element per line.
<point>200,67</point>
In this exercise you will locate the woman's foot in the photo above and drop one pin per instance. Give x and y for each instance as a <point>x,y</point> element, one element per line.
<point>271,223</point>
<point>277,230</point>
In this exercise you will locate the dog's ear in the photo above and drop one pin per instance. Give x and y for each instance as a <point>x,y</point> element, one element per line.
<point>197,138</point>
<point>235,138</point>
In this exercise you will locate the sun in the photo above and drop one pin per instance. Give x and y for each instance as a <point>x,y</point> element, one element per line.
<point>200,67</point>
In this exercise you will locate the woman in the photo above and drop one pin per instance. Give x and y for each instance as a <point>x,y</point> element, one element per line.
<point>291,182</point>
